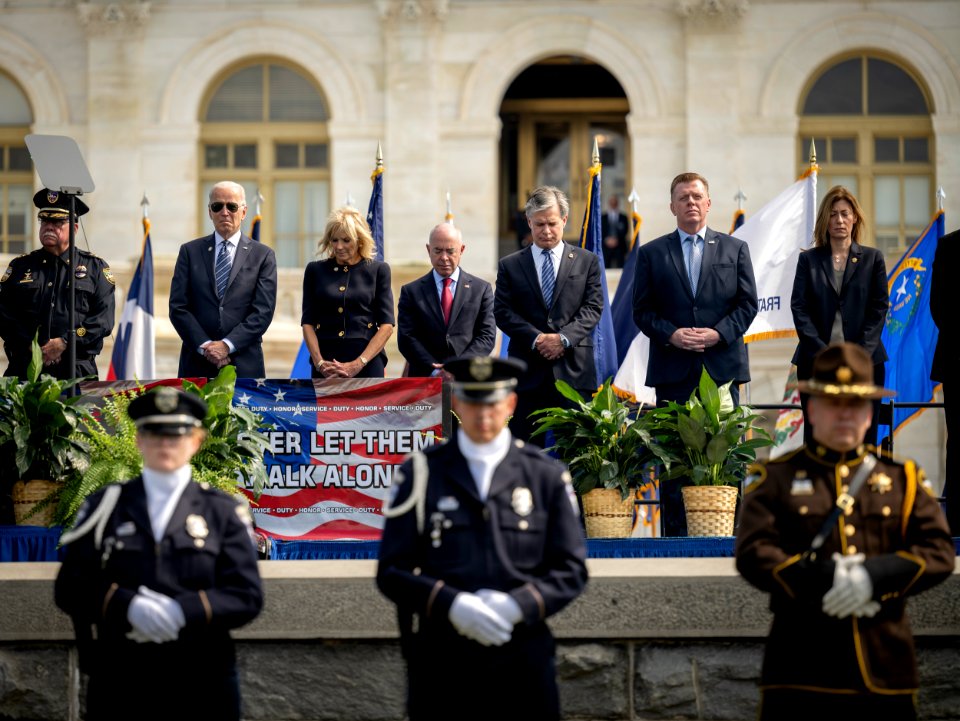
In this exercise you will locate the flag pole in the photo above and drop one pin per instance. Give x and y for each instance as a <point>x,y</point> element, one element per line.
<point>449,216</point>
<point>739,197</point>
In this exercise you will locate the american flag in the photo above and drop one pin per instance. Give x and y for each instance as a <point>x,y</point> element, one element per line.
<point>335,447</point>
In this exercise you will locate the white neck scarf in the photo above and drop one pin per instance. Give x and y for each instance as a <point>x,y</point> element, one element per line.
<point>163,493</point>
<point>483,458</point>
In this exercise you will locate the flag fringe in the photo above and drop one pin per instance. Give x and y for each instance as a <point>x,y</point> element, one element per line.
<point>770,334</point>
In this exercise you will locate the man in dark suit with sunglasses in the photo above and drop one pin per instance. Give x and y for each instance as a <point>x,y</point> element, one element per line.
<point>224,293</point>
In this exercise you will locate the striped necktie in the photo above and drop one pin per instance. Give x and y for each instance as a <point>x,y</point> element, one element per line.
<point>547,281</point>
<point>222,269</point>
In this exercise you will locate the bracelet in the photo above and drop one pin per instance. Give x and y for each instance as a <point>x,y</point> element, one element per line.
<point>319,365</point>
<point>363,360</point>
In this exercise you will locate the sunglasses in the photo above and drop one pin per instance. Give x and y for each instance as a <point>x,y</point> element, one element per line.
<point>218,206</point>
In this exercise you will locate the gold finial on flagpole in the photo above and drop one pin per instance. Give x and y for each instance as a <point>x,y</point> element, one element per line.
<point>813,153</point>
<point>596,151</point>
<point>379,156</point>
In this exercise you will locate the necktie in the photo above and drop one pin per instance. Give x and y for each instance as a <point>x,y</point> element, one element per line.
<point>446,300</point>
<point>696,259</point>
<point>222,269</point>
<point>547,281</point>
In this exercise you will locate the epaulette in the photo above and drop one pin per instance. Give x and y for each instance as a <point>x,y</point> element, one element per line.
<point>756,474</point>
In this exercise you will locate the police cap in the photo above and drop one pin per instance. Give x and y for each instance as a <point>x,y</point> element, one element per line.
<point>843,370</point>
<point>484,379</point>
<point>56,206</point>
<point>167,411</point>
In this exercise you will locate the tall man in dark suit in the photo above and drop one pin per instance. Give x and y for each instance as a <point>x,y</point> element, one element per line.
<point>945,358</point>
<point>223,293</point>
<point>694,297</point>
<point>447,312</point>
<point>548,300</point>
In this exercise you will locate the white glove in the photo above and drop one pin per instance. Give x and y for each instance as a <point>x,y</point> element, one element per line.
<point>151,619</point>
<point>852,589</point>
<point>870,608</point>
<point>475,620</point>
<point>503,604</point>
<point>173,609</point>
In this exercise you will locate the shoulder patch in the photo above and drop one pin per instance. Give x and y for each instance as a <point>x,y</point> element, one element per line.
<point>108,275</point>
<point>6,274</point>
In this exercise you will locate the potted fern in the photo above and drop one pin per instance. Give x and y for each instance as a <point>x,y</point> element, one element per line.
<point>606,451</point>
<point>40,446</point>
<point>706,443</point>
<point>230,458</point>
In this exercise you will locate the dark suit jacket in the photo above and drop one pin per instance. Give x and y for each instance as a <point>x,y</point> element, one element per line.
<point>726,301</point>
<point>614,257</point>
<point>422,337</point>
<point>244,316</point>
<point>947,355</point>
<point>863,301</point>
<point>522,314</point>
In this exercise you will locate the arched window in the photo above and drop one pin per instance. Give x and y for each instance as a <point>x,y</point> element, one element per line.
<point>870,119</point>
<point>265,127</point>
<point>16,169</point>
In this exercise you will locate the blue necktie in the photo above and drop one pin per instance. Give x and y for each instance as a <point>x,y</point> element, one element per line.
<point>547,281</point>
<point>696,259</point>
<point>222,269</point>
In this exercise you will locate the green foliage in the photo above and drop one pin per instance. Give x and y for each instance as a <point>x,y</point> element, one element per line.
<point>38,424</point>
<point>707,439</point>
<point>232,454</point>
<point>112,439</point>
<point>600,440</point>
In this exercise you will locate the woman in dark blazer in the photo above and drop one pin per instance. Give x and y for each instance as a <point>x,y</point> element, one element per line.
<point>840,292</point>
<point>347,302</point>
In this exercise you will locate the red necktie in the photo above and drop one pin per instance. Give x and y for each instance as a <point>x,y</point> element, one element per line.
<point>446,300</point>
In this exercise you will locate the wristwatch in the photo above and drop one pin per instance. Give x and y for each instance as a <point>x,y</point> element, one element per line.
<point>363,360</point>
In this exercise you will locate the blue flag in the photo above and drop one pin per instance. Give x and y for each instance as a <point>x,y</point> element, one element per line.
<point>591,238</point>
<point>255,227</point>
<point>910,335</point>
<point>375,212</point>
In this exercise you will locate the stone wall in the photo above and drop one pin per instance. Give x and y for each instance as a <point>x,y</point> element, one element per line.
<point>649,639</point>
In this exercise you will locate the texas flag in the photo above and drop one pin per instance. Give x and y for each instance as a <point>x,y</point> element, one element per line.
<point>133,352</point>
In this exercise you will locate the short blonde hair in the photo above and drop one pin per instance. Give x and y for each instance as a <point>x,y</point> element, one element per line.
<point>347,221</point>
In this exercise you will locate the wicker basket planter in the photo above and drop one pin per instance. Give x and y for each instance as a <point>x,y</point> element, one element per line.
<point>710,510</point>
<point>26,495</point>
<point>606,515</point>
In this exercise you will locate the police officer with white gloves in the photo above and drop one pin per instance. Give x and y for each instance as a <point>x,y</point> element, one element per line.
<point>156,572</point>
<point>482,543</point>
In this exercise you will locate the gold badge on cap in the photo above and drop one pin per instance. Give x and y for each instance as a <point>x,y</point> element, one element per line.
<point>522,501</point>
<point>880,483</point>
<point>481,368</point>
<point>844,374</point>
<point>166,400</point>
<point>52,197</point>
<point>197,529</point>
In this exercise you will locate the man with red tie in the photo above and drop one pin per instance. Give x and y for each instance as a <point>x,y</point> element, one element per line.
<point>445,313</point>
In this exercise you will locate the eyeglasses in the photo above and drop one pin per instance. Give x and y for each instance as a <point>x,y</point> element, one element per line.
<point>218,206</point>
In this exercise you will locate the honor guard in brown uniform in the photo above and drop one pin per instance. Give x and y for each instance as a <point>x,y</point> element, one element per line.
<point>482,543</point>
<point>35,297</point>
<point>840,538</point>
<point>157,570</point>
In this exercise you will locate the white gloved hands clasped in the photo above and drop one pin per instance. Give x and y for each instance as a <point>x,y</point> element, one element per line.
<point>476,620</point>
<point>503,604</point>
<point>852,591</point>
<point>154,616</point>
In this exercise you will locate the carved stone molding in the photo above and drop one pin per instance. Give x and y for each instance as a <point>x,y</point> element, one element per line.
<point>412,10</point>
<point>712,12</point>
<point>101,17</point>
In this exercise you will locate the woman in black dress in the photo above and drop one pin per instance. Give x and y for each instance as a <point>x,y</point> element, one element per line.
<point>347,302</point>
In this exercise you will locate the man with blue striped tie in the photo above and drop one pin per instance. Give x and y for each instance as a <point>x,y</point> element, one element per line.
<point>223,293</point>
<point>548,300</point>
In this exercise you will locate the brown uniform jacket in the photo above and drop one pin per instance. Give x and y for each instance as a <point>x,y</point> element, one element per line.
<point>894,521</point>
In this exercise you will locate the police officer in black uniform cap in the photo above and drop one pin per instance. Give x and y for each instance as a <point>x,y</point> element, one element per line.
<point>482,543</point>
<point>156,572</point>
<point>35,297</point>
